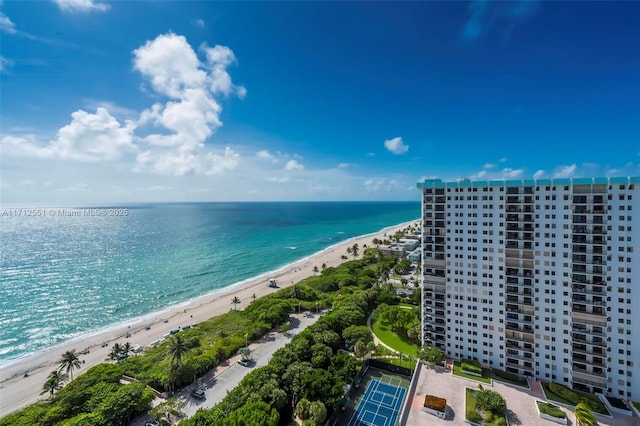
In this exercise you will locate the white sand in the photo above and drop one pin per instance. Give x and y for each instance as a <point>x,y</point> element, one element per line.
<point>17,391</point>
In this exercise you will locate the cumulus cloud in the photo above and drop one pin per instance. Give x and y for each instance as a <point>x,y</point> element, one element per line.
<point>89,137</point>
<point>293,165</point>
<point>396,146</point>
<point>199,23</point>
<point>489,166</point>
<point>81,6</point>
<point>538,174</point>
<point>193,113</point>
<point>266,155</point>
<point>185,162</point>
<point>512,173</point>
<point>565,171</point>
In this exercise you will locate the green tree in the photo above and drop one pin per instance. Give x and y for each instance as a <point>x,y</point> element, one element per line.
<point>584,415</point>
<point>303,409</point>
<point>116,350</point>
<point>70,361</point>
<point>254,414</point>
<point>254,297</point>
<point>55,381</point>
<point>176,350</point>
<point>431,355</point>
<point>235,302</point>
<point>355,249</point>
<point>315,270</point>
<point>491,401</point>
<point>168,411</point>
<point>355,333</point>
<point>317,413</point>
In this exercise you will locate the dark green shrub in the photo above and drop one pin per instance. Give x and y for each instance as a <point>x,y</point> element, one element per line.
<point>474,417</point>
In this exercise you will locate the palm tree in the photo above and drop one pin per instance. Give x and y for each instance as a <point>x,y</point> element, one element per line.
<point>315,269</point>
<point>584,415</point>
<point>324,266</point>
<point>115,351</point>
<point>176,350</point>
<point>235,301</point>
<point>254,297</point>
<point>354,250</point>
<point>55,382</point>
<point>349,251</point>
<point>126,348</point>
<point>70,360</point>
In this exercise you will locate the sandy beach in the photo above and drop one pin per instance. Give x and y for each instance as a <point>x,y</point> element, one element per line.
<point>17,391</point>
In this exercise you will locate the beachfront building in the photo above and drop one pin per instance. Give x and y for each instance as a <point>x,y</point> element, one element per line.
<point>536,277</point>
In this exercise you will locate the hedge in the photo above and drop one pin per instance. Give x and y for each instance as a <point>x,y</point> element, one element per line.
<point>551,410</point>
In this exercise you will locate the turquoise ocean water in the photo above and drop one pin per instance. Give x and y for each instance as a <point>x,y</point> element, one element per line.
<point>61,277</point>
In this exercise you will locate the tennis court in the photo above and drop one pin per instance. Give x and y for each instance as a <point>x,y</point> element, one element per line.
<point>380,405</point>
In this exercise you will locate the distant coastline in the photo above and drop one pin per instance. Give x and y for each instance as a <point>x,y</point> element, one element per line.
<point>341,231</point>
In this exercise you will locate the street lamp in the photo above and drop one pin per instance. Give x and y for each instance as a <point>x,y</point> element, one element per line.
<point>246,341</point>
<point>316,307</point>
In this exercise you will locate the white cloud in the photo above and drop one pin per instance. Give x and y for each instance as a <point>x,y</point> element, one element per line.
<point>343,165</point>
<point>185,162</point>
<point>382,185</point>
<point>512,173</point>
<point>396,146</point>
<point>278,179</point>
<point>6,24</point>
<point>266,155</point>
<point>370,154</point>
<point>503,160</point>
<point>538,174</point>
<point>111,107</point>
<point>293,165</point>
<point>489,166</point>
<point>193,114</point>
<point>565,171</point>
<point>81,6</point>
<point>199,23</point>
<point>5,63</point>
<point>89,137</point>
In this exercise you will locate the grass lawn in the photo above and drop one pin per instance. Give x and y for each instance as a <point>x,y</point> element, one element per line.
<point>551,410</point>
<point>594,400</point>
<point>513,379</point>
<point>457,370</point>
<point>637,405</point>
<point>399,343</point>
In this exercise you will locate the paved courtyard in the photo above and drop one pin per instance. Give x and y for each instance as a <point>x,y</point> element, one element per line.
<point>520,402</point>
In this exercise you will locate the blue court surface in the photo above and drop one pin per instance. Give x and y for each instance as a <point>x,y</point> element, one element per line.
<point>379,406</point>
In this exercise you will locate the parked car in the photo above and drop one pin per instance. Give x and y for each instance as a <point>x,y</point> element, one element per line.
<point>153,423</point>
<point>198,394</point>
<point>244,362</point>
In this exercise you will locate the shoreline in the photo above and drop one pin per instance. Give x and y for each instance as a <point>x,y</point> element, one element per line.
<point>17,391</point>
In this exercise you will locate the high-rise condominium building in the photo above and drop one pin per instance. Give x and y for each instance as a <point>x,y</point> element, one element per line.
<point>536,277</point>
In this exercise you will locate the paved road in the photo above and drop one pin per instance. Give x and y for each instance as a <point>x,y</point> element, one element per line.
<point>227,376</point>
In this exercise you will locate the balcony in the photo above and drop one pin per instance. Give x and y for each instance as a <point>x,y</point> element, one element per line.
<point>518,337</point>
<point>577,377</point>
<point>515,326</point>
<point>515,364</point>
<point>582,330</point>
<point>582,300</point>
<point>580,370</point>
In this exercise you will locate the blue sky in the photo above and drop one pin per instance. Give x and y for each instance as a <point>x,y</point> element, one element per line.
<point>107,102</point>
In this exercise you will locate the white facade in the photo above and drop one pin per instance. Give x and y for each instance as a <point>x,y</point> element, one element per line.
<point>536,277</point>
